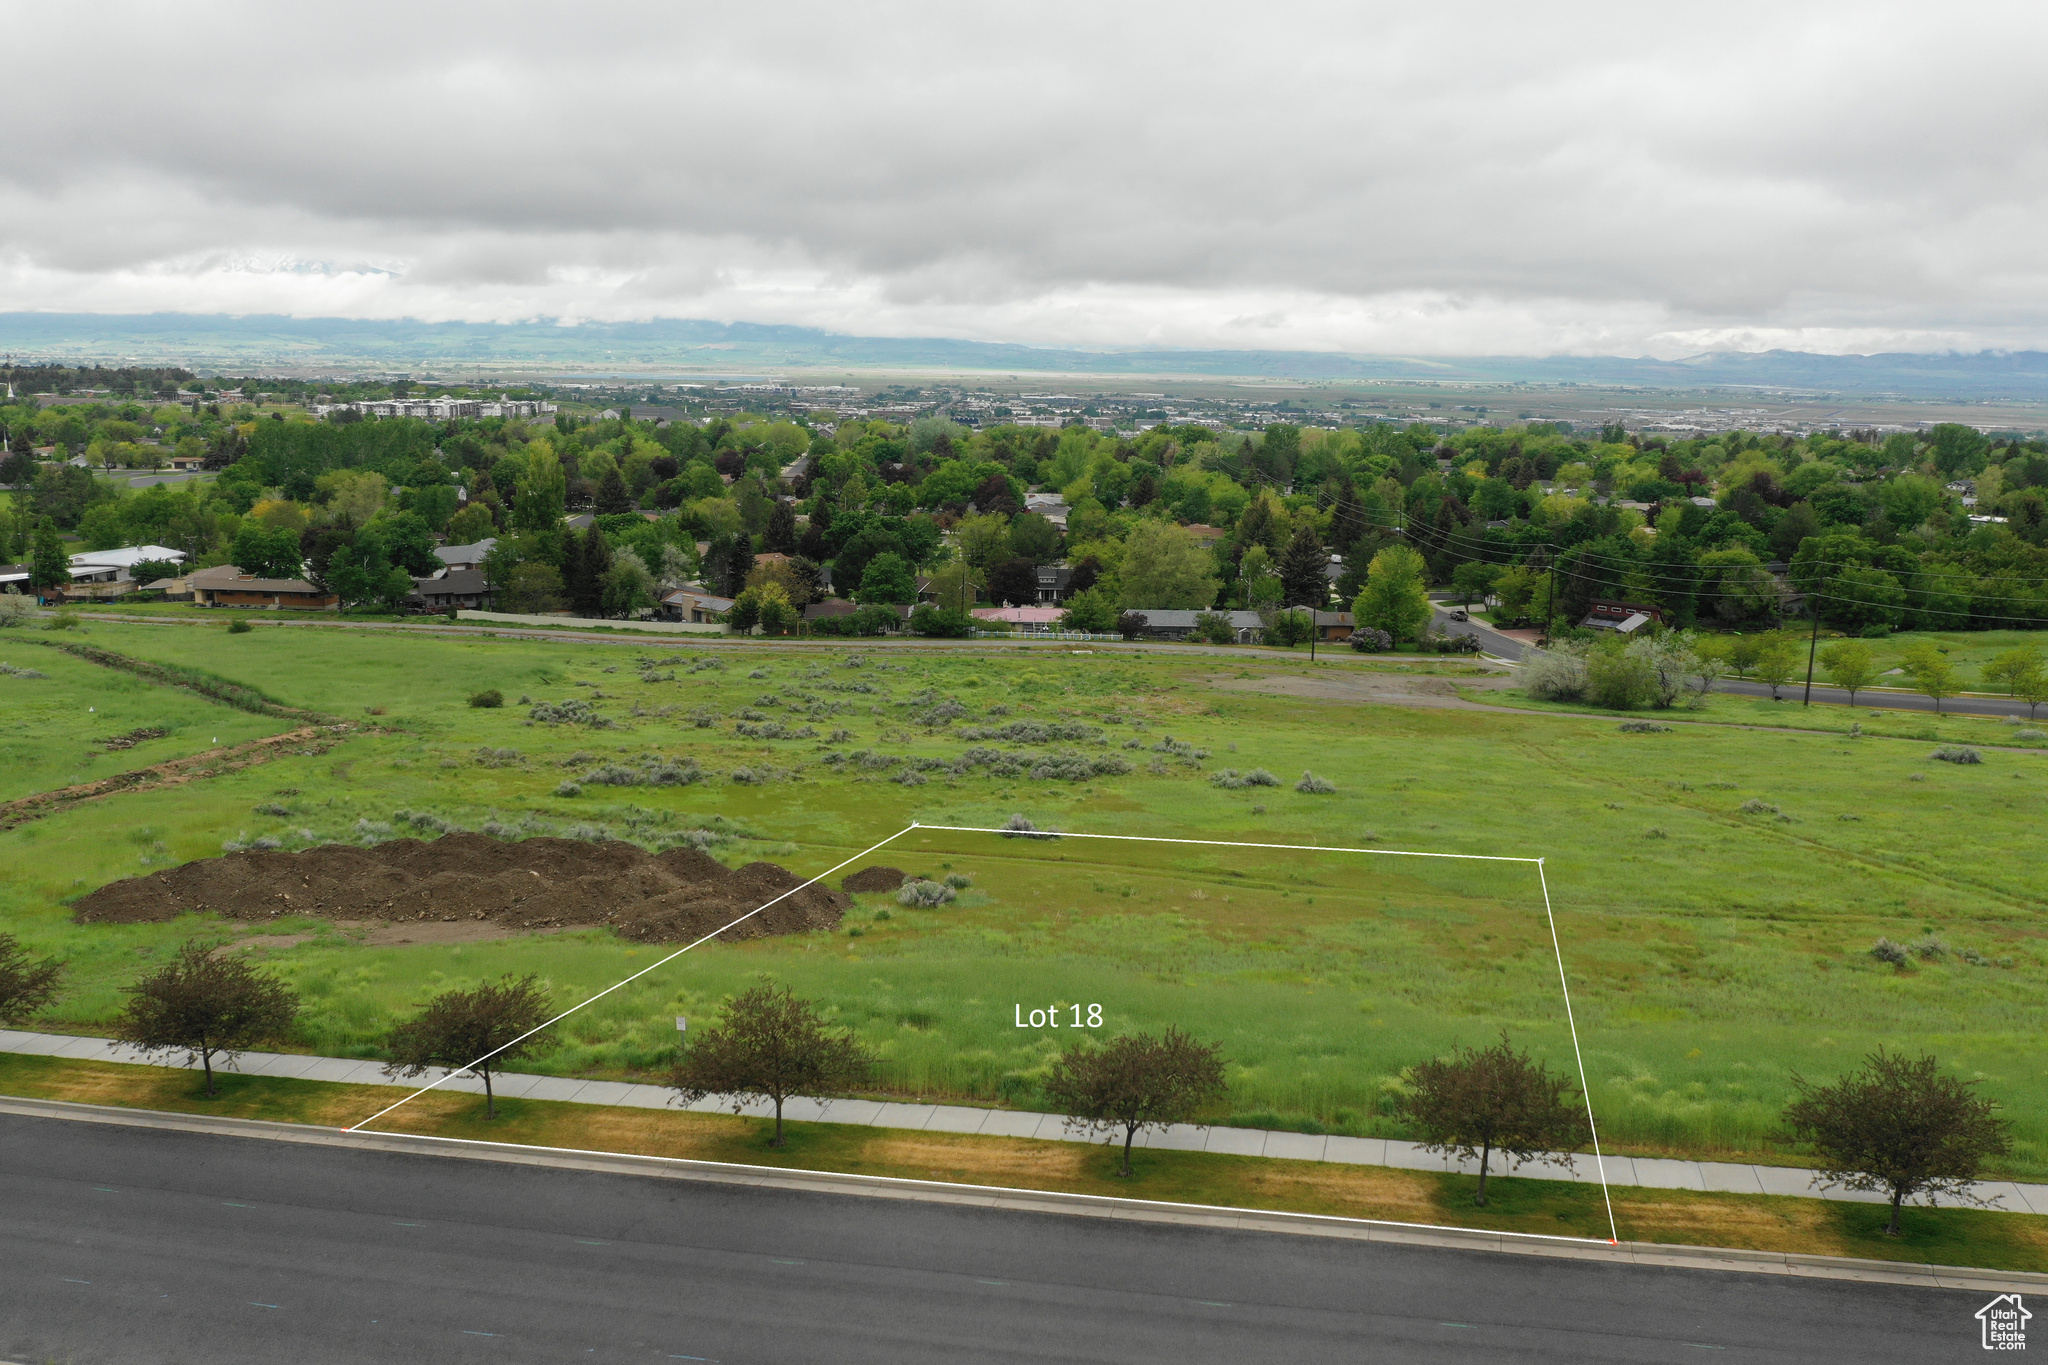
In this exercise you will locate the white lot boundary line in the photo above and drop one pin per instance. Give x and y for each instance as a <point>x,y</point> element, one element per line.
<point>627,981</point>
<point>1614,1237</point>
<point>1614,1233</point>
<point>1577,1056</point>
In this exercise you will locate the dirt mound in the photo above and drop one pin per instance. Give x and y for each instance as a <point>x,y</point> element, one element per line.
<point>531,884</point>
<point>874,879</point>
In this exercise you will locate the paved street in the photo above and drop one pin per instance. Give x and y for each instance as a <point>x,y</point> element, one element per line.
<point>147,1245</point>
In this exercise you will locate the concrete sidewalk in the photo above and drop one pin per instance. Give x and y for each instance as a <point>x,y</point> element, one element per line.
<point>1647,1172</point>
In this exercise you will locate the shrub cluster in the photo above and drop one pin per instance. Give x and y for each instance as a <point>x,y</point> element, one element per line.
<point>575,711</point>
<point>924,893</point>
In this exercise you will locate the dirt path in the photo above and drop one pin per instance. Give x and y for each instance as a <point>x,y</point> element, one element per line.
<point>309,739</point>
<point>1385,689</point>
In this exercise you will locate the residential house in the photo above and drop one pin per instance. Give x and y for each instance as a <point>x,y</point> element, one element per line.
<point>1052,506</point>
<point>466,556</point>
<point>1052,583</point>
<point>694,604</point>
<point>109,573</point>
<point>463,589</point>
<point>1023,620</point>
<point>1625,617</point>
<point>183,587</point>
<point>1334,625</point>
<point>831,606</point>
<point>1176,624</point>
<point>237,589</point>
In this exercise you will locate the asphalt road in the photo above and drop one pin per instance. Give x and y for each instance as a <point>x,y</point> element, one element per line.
<point>1507,647</point>
<point>143,1245</point>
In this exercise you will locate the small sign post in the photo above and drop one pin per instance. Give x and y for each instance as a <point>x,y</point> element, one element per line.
<point>682,1024</point>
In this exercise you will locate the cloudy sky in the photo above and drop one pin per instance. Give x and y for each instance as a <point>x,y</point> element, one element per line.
<point>1451,178</point>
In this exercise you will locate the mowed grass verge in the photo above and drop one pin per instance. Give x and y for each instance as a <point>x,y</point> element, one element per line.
<point>1949,1236</point>
<point>1713,950</point>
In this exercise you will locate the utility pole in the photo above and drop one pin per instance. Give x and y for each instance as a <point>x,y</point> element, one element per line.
<point>1812,643</point>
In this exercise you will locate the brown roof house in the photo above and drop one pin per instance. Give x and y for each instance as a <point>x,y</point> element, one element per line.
<point>224,585</point>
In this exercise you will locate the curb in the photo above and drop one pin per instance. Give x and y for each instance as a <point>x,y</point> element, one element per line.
<point>1045,1201</point>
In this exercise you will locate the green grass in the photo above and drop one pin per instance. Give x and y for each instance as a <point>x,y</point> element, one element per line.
<point>1712,953</point>
<point>51,727</point>
<point>1968,650</point>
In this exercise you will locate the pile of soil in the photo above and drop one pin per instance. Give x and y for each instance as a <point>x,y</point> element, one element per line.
<point>529,884</point>
<point>874,879</point>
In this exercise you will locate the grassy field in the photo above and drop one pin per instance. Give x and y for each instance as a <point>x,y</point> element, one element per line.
<point>1949,1236</point>
<point>1717,888</point>
<point>54,728</point>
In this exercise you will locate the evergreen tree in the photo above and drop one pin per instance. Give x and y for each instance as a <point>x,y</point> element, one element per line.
<point>781,533</point>
<point>611,497</point>
<point>592,558</point>
<point>739,562</point>
<point>1348,521</point>
<point>1255,526</point>
<point>813,545</point>
<point>1303,581</point>
<point>50,570</point>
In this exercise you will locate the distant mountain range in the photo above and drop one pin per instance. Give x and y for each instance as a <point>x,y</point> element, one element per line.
<point>236,344</point>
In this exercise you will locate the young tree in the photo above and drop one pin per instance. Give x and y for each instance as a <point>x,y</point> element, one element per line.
<point>1474,579</point>
<point>2030,685</point>
<point>1777,661</point>
<point>628,588</point>
<point>1396,596</point>
<point>26,988</point>
<point>1485,1100</point>
<point>1849,665</point>
<point>770,1045</point>
<point>1258,584</point>
<point>1743,652</point>
<point>479,1031</point>
<point>1131,625</point>
<point>205,1003</point>
<point>1136,1082</point>
<point>1094,612</point>
<point>1901,1126</point>
<point>2008,668</point>
<point>1932,674</point>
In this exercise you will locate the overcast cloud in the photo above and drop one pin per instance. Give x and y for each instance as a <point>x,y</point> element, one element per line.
<point>1452,178</point>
